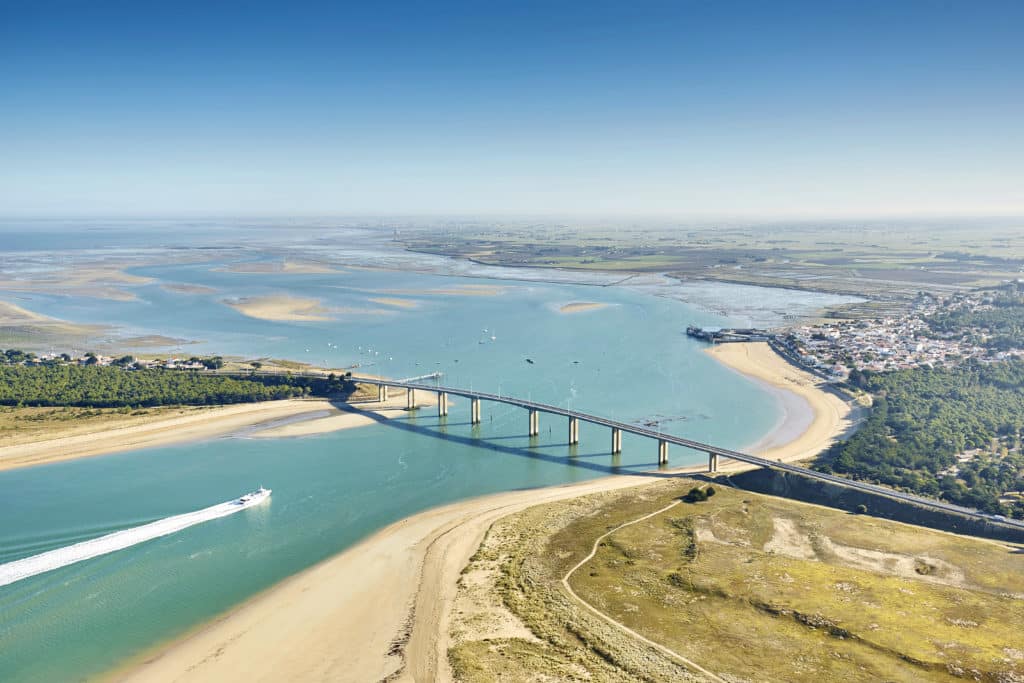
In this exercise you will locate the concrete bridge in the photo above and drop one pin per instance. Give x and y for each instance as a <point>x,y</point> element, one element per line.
<point>616,429</point>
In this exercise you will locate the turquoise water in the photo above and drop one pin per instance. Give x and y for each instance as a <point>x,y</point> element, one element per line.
<point>629,361</point>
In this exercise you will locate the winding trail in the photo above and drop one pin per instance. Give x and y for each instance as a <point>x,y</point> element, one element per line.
<point>671,654</point>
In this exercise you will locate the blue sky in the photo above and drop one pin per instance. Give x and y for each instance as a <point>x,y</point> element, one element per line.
<point>664,109</point>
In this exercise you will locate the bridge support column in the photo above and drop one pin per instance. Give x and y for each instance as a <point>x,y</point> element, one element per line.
<point>474,411</point>
<point>534,422</point>
<point>382,392</point>
<point>616,440</point>
<point>410,399</point>
<point>712,462</point>
<point>662,452</point>
<point>442,403</point>
<point>574,431</point>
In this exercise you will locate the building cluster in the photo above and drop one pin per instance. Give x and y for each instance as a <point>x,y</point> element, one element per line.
<point>13,357</point>
<point>834,349</point>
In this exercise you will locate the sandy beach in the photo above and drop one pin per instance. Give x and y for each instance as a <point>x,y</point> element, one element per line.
<point>813,413</point>
<point>271,419</point>
<point>380,609</point>
<point>194,425</point>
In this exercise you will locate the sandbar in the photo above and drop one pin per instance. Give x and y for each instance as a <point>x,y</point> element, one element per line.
<point>393,301</point>
<point>283,267</point>
<point>458,290</point>
<point>187,288</point>
<point>19,322</point>
<point>281,307</point>
<point>13,314</point>
<point>581,306</point>
<point>98,280</point>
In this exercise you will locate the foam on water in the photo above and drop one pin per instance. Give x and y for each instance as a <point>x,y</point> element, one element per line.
<point>119,540</point>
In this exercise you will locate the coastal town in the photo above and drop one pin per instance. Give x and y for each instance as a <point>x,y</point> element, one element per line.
<point>922,337</point>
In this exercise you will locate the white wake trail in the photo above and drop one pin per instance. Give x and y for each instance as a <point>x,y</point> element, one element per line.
<point>119,540</point>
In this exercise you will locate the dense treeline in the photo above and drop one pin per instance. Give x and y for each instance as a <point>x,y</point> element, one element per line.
<point>1002,324</point>
<point>923,418</point>
<point>112,387</point>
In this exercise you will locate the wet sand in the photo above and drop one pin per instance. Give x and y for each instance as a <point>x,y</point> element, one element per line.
<point>281,307</point>
<point>581,306</point>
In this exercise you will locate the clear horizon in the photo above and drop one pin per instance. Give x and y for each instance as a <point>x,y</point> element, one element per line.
<point>665,111</point>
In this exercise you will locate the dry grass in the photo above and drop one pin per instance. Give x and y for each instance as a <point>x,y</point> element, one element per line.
<point>27,425</point>
<point>751,587</point>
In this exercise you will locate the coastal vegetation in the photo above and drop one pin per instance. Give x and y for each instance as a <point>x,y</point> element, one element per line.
<point>96,386</point>
<point>954,433</point>
<point>997,324</point>
<point>713,581</point>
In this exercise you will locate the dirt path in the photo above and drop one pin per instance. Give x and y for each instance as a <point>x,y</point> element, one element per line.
<point>672,654</point>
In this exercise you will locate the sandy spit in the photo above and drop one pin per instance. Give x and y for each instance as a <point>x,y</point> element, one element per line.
<point>202,424</point>
<point>381,608</point>
<point>266,419</point>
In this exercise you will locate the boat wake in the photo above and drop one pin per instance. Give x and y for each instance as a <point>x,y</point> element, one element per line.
<point>119,540</point>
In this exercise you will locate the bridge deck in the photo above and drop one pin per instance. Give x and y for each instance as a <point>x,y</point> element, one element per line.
<point>687,443</point>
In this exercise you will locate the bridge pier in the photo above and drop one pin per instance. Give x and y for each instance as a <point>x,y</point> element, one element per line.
<point>474,411</point>
<point>662,452</point>
<point>442,403</point>
<point>410,399</point>
<point>616,440</point>
<point>574,431</point>
<point>712,462</point>
<point>534,422</point>
<point>382,393</point>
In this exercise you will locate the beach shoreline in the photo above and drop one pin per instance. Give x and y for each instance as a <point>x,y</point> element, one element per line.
<point>380,609</point>
<point>263,419</point>
<point>814,414</point>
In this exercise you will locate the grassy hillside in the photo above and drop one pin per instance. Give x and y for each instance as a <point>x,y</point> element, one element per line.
<point>747,586</point>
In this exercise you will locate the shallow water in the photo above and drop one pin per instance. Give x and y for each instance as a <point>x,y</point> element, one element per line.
<point>629,360</point>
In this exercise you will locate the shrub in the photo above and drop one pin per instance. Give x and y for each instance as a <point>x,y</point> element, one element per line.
<point>695,495</point>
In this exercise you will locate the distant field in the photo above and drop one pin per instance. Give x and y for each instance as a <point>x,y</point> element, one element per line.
<point>884,261</point>
<point>750,587</point>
